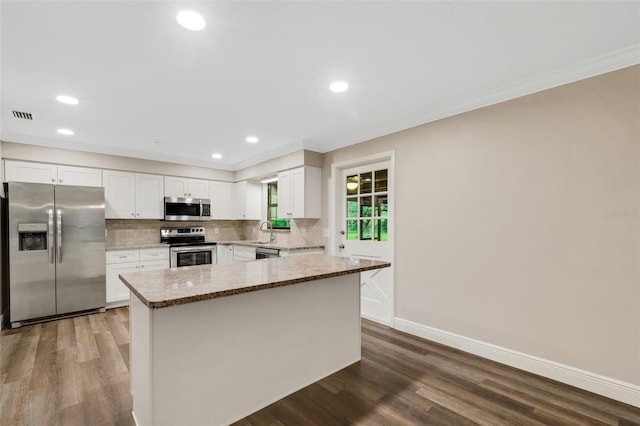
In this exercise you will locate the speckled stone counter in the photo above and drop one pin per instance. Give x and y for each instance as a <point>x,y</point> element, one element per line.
<point>176,286</point>
<point>275,245</point>
<point>136,246</point>
<point>190,363</point>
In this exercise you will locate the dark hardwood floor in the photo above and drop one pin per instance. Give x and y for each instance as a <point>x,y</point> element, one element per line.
<point>75,372</point>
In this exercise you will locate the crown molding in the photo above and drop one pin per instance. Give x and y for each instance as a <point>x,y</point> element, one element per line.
<point>603,64</point>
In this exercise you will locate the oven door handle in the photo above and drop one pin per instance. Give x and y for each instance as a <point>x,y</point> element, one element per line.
<point>191,249</point>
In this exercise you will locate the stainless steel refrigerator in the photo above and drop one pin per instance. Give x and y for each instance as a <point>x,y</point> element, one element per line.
<point>56,239</point>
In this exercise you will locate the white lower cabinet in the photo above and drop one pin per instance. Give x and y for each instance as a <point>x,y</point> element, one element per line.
<point>224,253</point>
<point>125,261</point>
<point>244,253</point>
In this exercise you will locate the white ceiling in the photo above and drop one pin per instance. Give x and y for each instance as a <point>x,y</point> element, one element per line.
<point>149,88</point>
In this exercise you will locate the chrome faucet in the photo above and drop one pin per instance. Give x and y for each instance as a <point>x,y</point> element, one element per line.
<point>272,237</point>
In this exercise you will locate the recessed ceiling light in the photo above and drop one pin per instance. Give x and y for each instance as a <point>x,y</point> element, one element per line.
<point>191,20</point>
<point>67,99</point>
<point>338,86</point>
<point>252,139</point>
<point>66,132</point>
<point>216,156</point>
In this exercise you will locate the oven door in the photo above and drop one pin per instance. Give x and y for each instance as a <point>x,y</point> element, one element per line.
<point>191,256</point>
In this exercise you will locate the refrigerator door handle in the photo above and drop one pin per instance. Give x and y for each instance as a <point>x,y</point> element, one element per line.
<point>59,236</point>
<point>50,236</point>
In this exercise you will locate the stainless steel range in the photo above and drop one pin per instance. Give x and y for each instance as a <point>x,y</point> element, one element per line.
<point>188,247</point>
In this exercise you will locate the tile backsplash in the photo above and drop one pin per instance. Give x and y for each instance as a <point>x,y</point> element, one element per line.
<point>142,231</point>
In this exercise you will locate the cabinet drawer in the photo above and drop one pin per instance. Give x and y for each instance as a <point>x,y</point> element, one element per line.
<point>121,256</point>
<point>154,254</point>
<point>152,265</point>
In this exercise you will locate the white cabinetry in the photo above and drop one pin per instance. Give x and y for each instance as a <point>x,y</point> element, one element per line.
<point>133,195</point>
<point>247,200</point>
<point>220,194</point>
<point>243,253</point>
<point>299,193</point>
<point>185,187</point>
<point>224,253</point>
<point>125,261</point>
<point>23,171</point>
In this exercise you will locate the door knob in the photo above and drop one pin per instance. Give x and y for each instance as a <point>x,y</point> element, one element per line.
<point>341,246</point>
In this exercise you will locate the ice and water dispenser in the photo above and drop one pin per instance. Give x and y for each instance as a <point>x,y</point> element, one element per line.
<point>32,236</point>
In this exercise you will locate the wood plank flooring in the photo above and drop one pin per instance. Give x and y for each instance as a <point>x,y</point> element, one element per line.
<point>75,372</point>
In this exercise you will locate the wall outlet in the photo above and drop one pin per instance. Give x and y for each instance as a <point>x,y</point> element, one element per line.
<point>216,230</point>
<point>327,233</point>
<point>303,231</point>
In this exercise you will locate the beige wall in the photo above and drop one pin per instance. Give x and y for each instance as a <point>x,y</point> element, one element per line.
<point>519,224</point>
<point>16,151</point>
<point>284,162</point>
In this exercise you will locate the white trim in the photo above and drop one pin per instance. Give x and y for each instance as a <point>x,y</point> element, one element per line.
<point>609,62</point>
<point>592,382</point>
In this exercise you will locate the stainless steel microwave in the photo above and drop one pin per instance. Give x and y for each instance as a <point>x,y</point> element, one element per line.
<point>185,209</point>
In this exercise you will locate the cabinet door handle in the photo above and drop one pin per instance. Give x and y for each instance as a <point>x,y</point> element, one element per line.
<point>60,180</point>
<point>53,180</point>
<point>133,214</point>
<point>137,214</point>
<point>341,246</point>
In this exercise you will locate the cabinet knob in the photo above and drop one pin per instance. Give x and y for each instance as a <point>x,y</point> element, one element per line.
<point>142,266</point>
<point>341,246</point>
<point>53,180</point>
<point>185,194</point>
<point>189,194</point>
<point>133,214</point>
<point>60,180</point>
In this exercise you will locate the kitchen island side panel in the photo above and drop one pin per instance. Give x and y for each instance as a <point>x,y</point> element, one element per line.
<point>219,360</point>
<point>140,362</point>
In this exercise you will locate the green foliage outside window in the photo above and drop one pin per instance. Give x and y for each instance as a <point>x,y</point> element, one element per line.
<point>272,208</point>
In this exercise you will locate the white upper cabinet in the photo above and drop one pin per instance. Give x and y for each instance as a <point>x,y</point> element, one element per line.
<point>299,193</point>
<point>79,176</point>
<point>247,200</point>
<point>119,194</point>
<point>185,187</point>
<point>133,195</point>
<point>221,199</point>
<point>149,196</point>
<point>23,171</point>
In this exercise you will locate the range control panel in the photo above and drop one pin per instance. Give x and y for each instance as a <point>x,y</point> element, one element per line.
<point>182,232</point>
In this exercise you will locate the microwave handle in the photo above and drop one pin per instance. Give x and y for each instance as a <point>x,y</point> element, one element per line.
<point>200,209</point>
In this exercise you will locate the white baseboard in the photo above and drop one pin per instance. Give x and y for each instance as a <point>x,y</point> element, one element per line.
<point>592,382</point>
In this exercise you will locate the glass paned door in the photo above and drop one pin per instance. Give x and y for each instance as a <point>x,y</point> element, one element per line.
<point>366,206</point>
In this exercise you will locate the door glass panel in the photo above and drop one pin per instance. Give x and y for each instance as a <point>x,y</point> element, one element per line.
<point>352,185</point>
<point>352,207</point>
<point>366,207</point>
<point>381,206</point>
<point>381,180</point>
<point>352,230</point>
<point>365,183</point>
<point>365,229</point>
<point>380,230</point>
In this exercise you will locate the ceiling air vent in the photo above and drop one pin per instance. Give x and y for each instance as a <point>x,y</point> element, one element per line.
<point>23,115</point>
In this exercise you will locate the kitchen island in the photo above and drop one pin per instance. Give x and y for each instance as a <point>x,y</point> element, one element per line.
<point>212,344</point>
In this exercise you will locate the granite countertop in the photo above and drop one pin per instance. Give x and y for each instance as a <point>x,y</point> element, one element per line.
<point>275,245</point>
<point>136,246</point>
<point>176,286</point>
